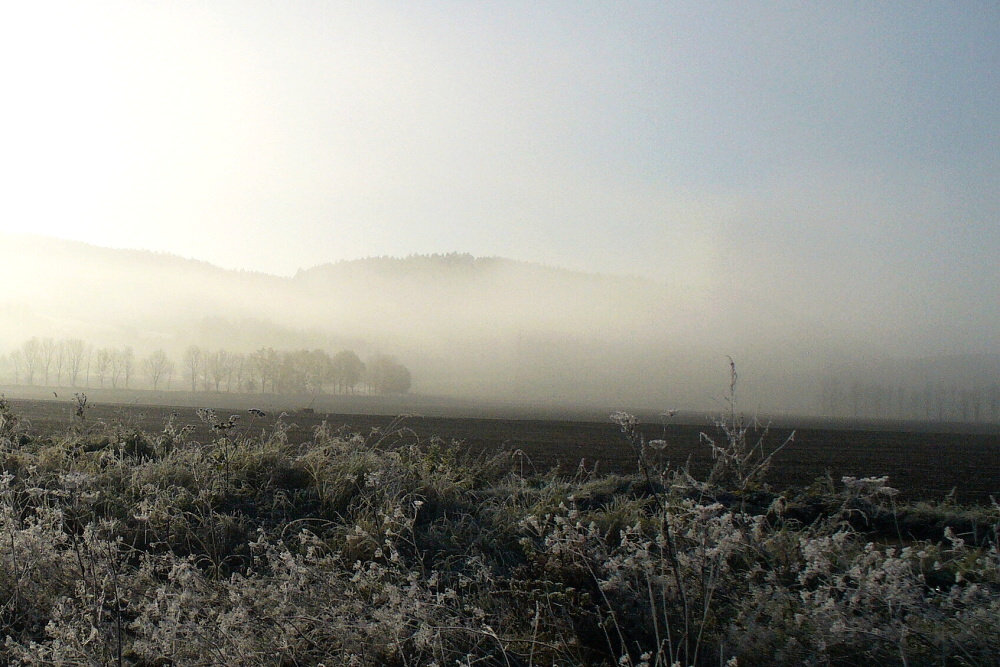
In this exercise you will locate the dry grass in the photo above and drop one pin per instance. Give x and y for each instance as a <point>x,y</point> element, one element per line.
<point>124,547</point>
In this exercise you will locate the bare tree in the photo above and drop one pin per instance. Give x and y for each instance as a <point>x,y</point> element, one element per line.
<point>239,371</point>
<point>192,364</point>
<point>249,375</point>
<point>219,367</point>
<point>47,351</point>
<point>31,351</point>
<point>17,361</point>
<point>73,352</point>
<point>89,363</point>
<point>117,367</point>
<point>157,368</point>
<point>102,364</point>
<point>266,363</point>
<point>128,363</point>
<point>319,370</point>
<point>60,360</point>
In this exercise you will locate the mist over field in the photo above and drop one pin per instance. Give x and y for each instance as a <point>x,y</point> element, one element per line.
<point>492,329</point>
<point>530,202</point>
<point>574,333</point>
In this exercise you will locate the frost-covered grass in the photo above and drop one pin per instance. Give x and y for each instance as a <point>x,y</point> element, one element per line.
<point>128,548</point>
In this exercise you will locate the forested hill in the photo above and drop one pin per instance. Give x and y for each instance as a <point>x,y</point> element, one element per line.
<point>480,327</point>
<point>486,326</point>
<point>450,295</point>
<point>66,288</point>
<point>57,287</point>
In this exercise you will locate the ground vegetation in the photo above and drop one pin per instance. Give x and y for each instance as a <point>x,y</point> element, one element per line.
<point>125,546</point>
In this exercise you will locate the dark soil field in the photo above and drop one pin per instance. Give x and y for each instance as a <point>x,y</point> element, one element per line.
<point>924,465</point>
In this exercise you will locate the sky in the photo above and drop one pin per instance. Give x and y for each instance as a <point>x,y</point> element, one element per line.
<point>838,159</point>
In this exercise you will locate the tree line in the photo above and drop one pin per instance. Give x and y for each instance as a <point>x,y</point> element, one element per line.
<point>930,401</point>
<point>73,362</point>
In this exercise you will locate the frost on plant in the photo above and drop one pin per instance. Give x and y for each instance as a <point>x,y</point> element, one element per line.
<point>379,549</point>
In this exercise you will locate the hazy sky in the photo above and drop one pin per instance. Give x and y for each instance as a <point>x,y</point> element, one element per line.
<point>840,153</point>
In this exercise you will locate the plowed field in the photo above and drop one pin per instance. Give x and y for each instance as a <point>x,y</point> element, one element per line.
<point>923,465</point>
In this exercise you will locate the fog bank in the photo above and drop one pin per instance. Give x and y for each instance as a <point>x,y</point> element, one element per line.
<point>497,329</point>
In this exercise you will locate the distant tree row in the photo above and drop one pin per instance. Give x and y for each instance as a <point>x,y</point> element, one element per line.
<point>933,401</point>
<point>282,372</point>
<point>42,360</point>
<point>72,362</point>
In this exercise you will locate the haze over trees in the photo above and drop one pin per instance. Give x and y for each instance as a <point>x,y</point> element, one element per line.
<point>387,376</point>
<point>263,371</point>
<point>474,327</point>
<point>158,368</point>
<point>346,370</point>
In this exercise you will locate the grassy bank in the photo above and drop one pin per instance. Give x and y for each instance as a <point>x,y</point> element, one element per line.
<point>124,546</point>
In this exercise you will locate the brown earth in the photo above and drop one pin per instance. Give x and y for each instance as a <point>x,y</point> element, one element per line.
<point>923,464</point>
